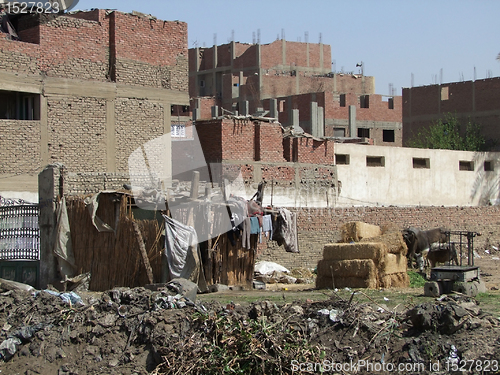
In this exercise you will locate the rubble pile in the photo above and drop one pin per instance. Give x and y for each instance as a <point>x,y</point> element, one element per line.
<point>139,331</point>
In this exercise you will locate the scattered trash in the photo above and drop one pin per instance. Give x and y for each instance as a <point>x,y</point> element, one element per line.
<point>265,268</point>
<point>71,298</point>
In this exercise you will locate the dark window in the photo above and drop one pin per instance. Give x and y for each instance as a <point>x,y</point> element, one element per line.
<point>364,101</point>
<point>421,163</point>
<point>342,100</point>
<point>390,103</point>
<point>388,135</point>
<point>363,132</point>
<point>16,105</point>
<point>489,166</point>
<point>375,161</point>
<point>342,159</point>
<point>466,165</point>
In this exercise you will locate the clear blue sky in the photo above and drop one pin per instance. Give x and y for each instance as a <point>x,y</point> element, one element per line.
<point>394,38</point>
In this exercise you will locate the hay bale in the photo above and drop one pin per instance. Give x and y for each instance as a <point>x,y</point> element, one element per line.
<point>396,280</point>
<point>350,251</point>
<point>392,264</point>
<point>324,282</point>
<point>393,240</point>
<point>357,230</point>
<point>389,228</point>
<point>364,268</point>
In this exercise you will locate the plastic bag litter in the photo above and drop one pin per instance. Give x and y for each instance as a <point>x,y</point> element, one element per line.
<point>9,347</point>
<point>265,268</point>
<point>71,298</point>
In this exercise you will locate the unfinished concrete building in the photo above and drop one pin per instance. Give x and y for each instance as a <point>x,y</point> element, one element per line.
<point>294,82</point>
<point>476,101</point>
<point>85,90</point>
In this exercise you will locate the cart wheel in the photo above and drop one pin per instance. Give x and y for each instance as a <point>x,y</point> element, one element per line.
<point>432,289</point>
<point>468,288</point>
<point>481,286</point>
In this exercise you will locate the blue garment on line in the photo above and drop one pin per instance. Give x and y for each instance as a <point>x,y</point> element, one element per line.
<point>254,225</point>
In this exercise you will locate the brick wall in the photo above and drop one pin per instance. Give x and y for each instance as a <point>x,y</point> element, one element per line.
<point>73,47</point>
<point>150,52</point>
<point>308,150</point>
<point>268,144</point>
<point>210,135</point>
<point>77,132</point>
<point>19,57</point>
<point>20,142</point>
<point>137,122</point>
<point>476,100</point>
<point>317,227</point>
<point>238,140</point>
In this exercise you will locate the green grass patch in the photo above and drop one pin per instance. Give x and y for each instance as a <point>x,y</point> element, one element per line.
<point>416,279</point>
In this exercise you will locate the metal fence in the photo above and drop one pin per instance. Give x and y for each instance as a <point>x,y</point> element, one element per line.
<point>19,233</point>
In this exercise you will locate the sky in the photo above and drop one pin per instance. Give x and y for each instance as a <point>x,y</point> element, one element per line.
<point>402,43</point>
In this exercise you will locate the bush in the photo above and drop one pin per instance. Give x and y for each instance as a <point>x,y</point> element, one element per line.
<point>416,279</point>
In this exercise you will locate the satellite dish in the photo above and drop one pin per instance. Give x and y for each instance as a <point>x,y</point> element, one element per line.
<point>66,5</point>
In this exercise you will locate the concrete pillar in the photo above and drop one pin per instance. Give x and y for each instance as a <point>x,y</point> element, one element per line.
<point>214,74</point>
<point>197,109</point>
<point>273,108</point>
<point>110,136</point>
<point>321,122</point>
<point>44,130</point>
<point>197,57</point>
<point>352,121</point>
<point>321,58</point>
<point>296,121</point>
<point>49,187</point>
<point>244,108</point>
<point>283,52</point>
<point>314,119</point>
<point>240,84</point>
<point>215,111</point>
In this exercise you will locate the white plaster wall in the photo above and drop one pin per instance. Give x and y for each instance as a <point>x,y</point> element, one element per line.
<point>398,183</point>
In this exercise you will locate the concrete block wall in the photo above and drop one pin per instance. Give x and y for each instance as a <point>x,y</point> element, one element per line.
<point>19,57</point>
<point>316,227</point>
<point>21,151</point>
<point>137,122</point>
<point>77,133</point>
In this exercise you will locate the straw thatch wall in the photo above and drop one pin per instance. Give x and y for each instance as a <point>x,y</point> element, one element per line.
<point>113,259</point>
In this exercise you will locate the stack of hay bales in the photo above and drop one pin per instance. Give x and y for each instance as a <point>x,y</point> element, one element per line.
<point>368,258</point>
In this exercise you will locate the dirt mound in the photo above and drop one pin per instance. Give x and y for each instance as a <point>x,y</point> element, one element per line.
<point>137,331</point>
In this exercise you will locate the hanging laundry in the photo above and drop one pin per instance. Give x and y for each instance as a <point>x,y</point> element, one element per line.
<point>267,226</point>
<point>254,225</point>
<point>285,232</point>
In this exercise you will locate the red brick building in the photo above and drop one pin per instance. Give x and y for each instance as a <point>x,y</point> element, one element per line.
<point>478,101</point>
<point>293,81</point>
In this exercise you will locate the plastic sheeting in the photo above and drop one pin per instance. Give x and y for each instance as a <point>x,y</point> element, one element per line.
<point>182,253</point>
<point>92,204</point>
<point>62,244</point>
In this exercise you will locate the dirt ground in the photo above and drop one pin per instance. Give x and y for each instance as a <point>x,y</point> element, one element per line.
<point>278,331</point>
